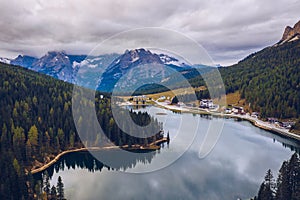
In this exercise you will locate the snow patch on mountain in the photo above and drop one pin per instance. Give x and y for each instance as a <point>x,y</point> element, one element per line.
<point>135,59</point>
<point>5,60</point>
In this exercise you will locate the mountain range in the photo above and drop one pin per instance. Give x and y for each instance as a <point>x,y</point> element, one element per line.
<point>105,72</point>
<point>85,70</point>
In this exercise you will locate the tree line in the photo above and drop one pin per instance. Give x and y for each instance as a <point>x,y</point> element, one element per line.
<point>45,191</point>
<point>287,184</point>
<point>268,80</point>
<point>36,123</point>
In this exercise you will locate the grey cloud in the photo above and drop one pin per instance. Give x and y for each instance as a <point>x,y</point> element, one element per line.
<point>37,26</point>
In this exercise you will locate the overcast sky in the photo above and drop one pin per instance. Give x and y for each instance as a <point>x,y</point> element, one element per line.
<point>228,29</point>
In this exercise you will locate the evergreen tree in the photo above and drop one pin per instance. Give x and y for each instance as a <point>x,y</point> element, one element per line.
<point>294,170</point>
<point>175,100</point>
<point>287,184</point>
<point>60,189</point>
<point>53,193</point>
<point>266,191</point>
<point>283,183</point>
<point>46,185</point>
<point>33,135</point>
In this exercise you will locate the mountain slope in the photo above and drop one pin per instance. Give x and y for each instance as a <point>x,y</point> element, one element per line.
<point>58,65</point>
<point>138,66</point>
<point>143,66</point>
<point>85,70</point>
<point>269,80</point>
<point>24,61</point>
<point>36,123</point>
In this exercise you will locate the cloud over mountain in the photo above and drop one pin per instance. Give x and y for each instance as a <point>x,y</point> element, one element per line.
<point>229,30</point>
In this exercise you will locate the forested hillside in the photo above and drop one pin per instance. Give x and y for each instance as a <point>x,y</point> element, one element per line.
<point>37,123</point>
<point>287,184</point>
<point>269,80</point>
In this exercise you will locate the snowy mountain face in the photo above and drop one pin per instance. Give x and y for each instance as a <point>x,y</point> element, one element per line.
<point>64,66</point>
<point>5,60</point>
<point>133,66</point>
<point>24,61</point>
<point>168,60</point>
<point>139,66</point>
<point>58,65</point>
<point>89,70</point>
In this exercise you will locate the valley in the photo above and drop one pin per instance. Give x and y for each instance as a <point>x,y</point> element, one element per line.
<point>86,118</point>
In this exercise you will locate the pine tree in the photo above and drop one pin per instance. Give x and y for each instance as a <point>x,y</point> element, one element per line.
<point>38,189</point>
<point>17,166</point>
<point>175,100</point>
<point>60,189</point>
<point>33,135</point>
<point>46,185</point>
<point>4,142</point>
<point>283,184</point>
<point>53,193</point>
<point>294,170</point>
<point>266,191</point>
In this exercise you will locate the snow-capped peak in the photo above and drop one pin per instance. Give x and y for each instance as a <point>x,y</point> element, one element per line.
<point>5,60</point>
<point>168,60</point>
<point>134,55</point>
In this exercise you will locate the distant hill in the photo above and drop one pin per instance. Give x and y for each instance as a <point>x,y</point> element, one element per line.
<point>269,80</point>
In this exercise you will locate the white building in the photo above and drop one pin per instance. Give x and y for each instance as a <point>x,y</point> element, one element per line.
<point>206,103</point>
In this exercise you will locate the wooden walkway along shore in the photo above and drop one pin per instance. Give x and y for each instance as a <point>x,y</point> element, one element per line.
<point>152,146</point>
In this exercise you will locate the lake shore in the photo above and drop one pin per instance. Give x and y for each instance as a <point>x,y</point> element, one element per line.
<point>151,147</point>
<point>256,122</point>
<point>155,145</point>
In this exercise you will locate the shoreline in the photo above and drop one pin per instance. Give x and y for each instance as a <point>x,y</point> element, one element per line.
<point>152,147</point>
<point>254,121</point>
<point>155,145</point>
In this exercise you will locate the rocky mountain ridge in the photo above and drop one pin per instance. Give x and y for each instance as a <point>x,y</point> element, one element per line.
<point>290,34</point>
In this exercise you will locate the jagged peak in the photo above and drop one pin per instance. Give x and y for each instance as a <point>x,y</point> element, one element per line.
<point>290,34</point>
<point>53,53</point>
<point>297,26</point>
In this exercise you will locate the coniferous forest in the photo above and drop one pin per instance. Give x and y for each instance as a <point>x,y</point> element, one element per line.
<point>36,120</point>
<point>287,184</point>
<point>269,80</point>
<point>37,124</point>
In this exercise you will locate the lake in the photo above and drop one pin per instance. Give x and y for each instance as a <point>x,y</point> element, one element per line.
<point>233,169</point>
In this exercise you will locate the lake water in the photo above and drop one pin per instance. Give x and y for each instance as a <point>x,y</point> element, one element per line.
<point>233,169</point>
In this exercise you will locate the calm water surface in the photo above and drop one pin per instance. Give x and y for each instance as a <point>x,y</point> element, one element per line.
<point>234,168</point>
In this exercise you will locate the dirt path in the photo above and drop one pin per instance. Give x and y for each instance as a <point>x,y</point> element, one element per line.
<point>152,146</point>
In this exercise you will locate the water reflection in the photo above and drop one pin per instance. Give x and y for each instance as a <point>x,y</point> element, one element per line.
<point>85,160</point>
<point>292,144</point>
<point>234,169</point>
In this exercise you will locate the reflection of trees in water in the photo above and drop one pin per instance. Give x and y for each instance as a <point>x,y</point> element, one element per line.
<point>137,107</point>
<point>293,145</point>
<point>85,160</point>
